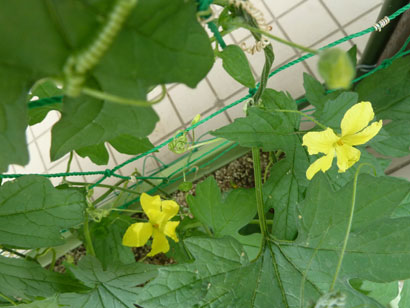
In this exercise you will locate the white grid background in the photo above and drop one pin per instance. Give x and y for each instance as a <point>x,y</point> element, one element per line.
<point>313,23</point>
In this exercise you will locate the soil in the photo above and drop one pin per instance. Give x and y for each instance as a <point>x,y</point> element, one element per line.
<point>238,173</point>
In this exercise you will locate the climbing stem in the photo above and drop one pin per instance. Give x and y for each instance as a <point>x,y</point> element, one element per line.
<point>106,186</point>
<point>122,100</point>
<point>276,38</point>
<point>349,226</point>
<point>87,235</point>
<point>258,192</point>
<point>70,160</point>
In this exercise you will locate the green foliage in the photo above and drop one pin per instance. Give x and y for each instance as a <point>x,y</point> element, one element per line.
<point>221,276</point>
<point>27,279</point>
<point>126,144</point>
<point>334,109</point>
<point>395,140</point>
<point>336,68</point>
<point>107,240</point>
<point>405,295</point>
<point>290,272</point>
<point>384,293</point>
<point>284,190</point>
<point>33,212</point>
<point>46,303</point>
<point>388,91</point>
<point>43,90</point>
<point>155,54</point>
<point>112,288</point>
<point>236,64</point>
<point>225,214</point>
<point>268,129</point>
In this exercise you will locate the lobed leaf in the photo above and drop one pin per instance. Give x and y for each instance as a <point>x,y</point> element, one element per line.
<point>33,212</point>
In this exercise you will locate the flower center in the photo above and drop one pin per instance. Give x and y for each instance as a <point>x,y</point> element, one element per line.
<point>156,226</point>
<point>340,142</point>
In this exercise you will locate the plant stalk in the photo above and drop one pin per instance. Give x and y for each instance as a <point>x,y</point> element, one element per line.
<point>258,192</point>
<point>87,235</point>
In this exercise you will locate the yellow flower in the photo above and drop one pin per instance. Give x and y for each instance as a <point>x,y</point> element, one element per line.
<point>354,132</point>
<point>159,213</point>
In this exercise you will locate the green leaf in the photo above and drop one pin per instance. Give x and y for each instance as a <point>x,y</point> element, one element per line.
<point>396,141</point>
<point>42,90</point>
<point>295,274</point>
<point>113,288</point>
<point>97,153</point>
<point>273,100</point>
<point>236,64</point>
<point>33,212</point>
<point>315,91</point>
<point>215,279</point>
<point>107,240</point>
<point>405,295</point>
<point>284,189</point>
<point>27,279</point>
<point>378,165</point>
<point>13,114</point>
<point>388,91</point>
<point>336,68</point>
<point>270,131</point>
<point>352,53</point>
<point>384,293</point>
<point>131,145</point>
<point>126,144</point>
<point>224,215</point>
<point>334,109</point>
<point>51,302</point>
<point>146,52</point>
<point>87,121</point>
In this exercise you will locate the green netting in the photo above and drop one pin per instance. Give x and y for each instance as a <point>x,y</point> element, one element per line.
<point>187,167</point>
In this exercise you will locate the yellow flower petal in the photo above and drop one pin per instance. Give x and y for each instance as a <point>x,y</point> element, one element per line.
<point>169,230</point>
<point>150,203</point>
<point>363,136</point>
<point>320,142</point>
<point>170,208</point>
<point>347,156</point>
<point>356,118</point>
<point>158,219</point>
<point>137,234</point>
<point>324,163</point>
<point>159,244</point>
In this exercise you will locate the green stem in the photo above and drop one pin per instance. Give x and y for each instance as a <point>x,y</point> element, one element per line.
<point>155,186</point>
<point>105,195</point>
<point>258,192</point>
<point>204,143</point>
<point>126,210</point>
<point>8,299</point>
<point>276,38</point>
<point>123,100</point>
<point>87,235</point>
<point>208,231</point>
<point>304,115</point>
<point>106,186</point>
<point>70,159</point>
<point>53,260</point>
<point>349,226</point>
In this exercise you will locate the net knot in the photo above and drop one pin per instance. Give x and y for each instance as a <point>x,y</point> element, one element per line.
<point>386,63</point>
<point>252,91</point>
<point>108,173</point>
